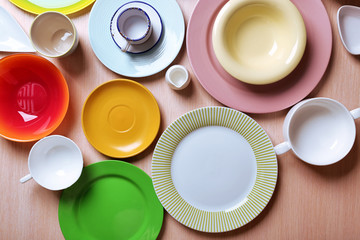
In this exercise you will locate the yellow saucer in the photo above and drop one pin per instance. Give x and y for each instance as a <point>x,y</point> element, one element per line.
<point>120,118</point>
<point>259,41</point>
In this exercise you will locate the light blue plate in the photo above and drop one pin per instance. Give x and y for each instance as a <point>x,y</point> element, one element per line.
<point>142,64</point>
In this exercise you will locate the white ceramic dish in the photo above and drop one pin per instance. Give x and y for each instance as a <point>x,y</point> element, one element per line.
<point>214,169</point>
<point>55,162</point>
<point>348,19</point>
<point>143,64</point>
<point>155,22</point>
<point>12,37</point>
<point>320,131</point>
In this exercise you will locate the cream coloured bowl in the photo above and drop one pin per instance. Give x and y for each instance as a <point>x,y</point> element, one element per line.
<point>259,41</point>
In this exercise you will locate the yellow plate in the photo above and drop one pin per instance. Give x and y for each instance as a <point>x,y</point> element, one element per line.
<point>259,41</point>
<point>63,6</point>
<point>120,118</point>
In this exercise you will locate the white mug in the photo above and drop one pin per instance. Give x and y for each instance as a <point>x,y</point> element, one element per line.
<point>53,34</point>
<point>55,162</point>
<point>134,26</point>
<point>320,131</point>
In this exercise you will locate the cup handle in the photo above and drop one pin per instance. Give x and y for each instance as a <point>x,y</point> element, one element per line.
<point>126,47</point>
<point>26,178</point>
<point>355,113</point>
<point>282,148</point>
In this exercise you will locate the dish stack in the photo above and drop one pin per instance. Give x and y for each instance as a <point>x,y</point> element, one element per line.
<point>218,30</point>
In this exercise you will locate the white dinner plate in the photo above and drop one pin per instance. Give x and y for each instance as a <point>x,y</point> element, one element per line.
<point>214,169</point>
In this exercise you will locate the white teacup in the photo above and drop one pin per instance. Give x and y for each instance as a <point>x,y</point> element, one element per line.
<point>55,162</point>
<point>320,131</point>
<point>53,34</point>
<point>134,26</point>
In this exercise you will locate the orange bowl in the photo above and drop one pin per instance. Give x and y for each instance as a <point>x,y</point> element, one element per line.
<point>34,97</point>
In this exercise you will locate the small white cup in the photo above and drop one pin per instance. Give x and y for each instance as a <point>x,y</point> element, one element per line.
<point>55,162</point>
<point>320,131</point>
<point>134,26</point>
<point>53,34</point>
<point>177,77</point>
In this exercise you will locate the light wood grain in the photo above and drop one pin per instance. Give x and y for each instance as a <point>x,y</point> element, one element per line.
<point>308,203</point>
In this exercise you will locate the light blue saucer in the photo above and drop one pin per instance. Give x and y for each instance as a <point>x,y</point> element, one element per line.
<point>142,64</point>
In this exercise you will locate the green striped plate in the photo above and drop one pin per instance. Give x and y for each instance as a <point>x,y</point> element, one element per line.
<point>205,219</point>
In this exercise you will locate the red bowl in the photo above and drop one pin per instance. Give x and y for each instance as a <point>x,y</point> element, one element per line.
<point>34,97</point>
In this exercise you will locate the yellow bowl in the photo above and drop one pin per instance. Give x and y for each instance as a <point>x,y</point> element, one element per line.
<point>259,41</point>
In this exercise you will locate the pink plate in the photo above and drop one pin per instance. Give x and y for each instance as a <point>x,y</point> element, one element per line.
<point>264,98</point>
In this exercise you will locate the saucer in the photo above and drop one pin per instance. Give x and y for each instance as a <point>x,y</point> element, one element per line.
<point>156,31</point>
<point>143,64</point>
<point>120,118</point>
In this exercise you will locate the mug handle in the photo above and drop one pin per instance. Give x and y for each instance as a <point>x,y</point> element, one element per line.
<point>26,178</point>
<point>355,113</point>
<point>282,148</point>
<point>126,47</point>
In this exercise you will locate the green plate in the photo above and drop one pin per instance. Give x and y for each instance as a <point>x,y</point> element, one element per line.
<point>111,200</point>
<point>63,6</point>
<point>193,176</point>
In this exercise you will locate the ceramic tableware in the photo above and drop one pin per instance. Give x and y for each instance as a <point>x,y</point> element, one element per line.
<point>146,63</point>
<point>12,37</point>
<point>55,162</point>
<point>155,23</point>
<point>348,19</point>
<point>259,41</point>
<point>320,131</point>
<point>63,6</point>
<point>177,76</point>
<point>120,118</point>
<point>259,98</point>
<point>134,26</point>
<point>214,169</point>
<point>111,200</point>
<point>53,34</point>
<point>34,97</point>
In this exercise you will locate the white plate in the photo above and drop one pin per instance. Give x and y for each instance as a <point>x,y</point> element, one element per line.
<point>12,37</point>
<point>155,21</point>
<point>214,169</point>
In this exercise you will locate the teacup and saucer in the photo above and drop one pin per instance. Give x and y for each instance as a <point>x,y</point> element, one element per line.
<point>136,27</point>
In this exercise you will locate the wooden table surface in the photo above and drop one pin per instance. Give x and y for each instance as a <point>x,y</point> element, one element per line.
<point>308,203</point>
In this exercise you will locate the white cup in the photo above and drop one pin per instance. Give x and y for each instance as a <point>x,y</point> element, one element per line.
<point>134,26</point>
<point>53,34</point>
<point>320,131</point>
<point>55,162</point>
<point>177,76</point>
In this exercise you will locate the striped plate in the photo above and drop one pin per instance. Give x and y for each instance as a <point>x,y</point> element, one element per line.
<point>171,192</point>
